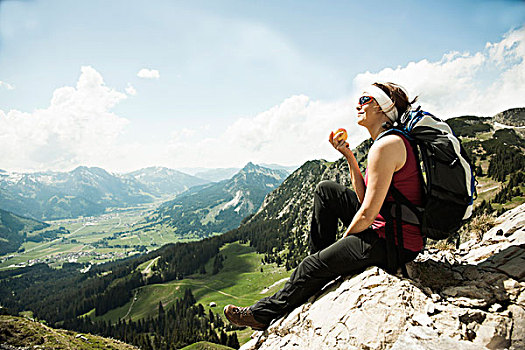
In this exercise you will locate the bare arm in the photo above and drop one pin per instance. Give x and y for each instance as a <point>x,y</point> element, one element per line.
<point>355,174</point>
<point>386,156</point>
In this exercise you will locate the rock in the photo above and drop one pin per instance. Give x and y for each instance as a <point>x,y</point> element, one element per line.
<point>518,327</point>
<point>422,320</point>
<point>372,312</point>
<point>512,288</point>
<point>471,273</point>
<point>494,332</point>
<point>426,338</point>
<point>430,308</point>
<point>471,300</point>
<point>495,307</point>
<point>468,296</point>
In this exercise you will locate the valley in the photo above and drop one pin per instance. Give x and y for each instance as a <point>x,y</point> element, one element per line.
<point>116,234</point>
<point>123,229</point>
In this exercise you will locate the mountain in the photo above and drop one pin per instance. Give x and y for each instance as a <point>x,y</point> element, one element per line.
<point>217,207</point>
<point>81,192</point>
<point>511,117</point>
<point>289,168</point>
<point>163,181</point>
<point>14,231</point>
<point>219,174</point>
<point>280,227</point>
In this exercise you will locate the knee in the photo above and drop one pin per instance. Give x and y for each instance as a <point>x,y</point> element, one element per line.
<point>310,264</point>
<point>323,186</point>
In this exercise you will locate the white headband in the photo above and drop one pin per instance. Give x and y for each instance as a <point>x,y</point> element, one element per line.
<point>386,104</point>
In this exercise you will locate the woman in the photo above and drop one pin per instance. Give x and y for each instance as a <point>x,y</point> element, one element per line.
<point>390,159</point>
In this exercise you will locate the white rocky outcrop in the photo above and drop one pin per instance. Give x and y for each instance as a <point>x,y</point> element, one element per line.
<point>471,298</point>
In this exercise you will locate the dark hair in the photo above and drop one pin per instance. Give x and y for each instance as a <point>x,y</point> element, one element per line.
<point>398,95</point>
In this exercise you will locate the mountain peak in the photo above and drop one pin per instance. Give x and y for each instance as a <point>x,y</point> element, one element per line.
<point>250,165</point>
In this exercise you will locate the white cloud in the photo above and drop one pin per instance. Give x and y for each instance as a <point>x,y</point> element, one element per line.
<point>148,73</point>
<point>130,90</point>
<point>290,133</point>
<point>483,83</point>
<point>8,86</point>
<point>77,128</point>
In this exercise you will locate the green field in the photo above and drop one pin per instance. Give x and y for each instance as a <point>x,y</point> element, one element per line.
<point>203,345</point>
<point>114,235</point>
<point>239,282</point>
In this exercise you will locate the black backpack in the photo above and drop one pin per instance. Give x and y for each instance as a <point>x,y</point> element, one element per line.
<point>448,178</point>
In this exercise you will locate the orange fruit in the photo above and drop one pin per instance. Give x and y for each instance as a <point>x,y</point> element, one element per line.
<point>340,134</point>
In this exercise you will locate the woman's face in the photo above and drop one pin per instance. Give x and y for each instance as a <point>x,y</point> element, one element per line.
<point>368,111</point>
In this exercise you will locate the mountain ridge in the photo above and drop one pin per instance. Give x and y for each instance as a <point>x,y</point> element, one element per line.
<point>165,181</point>
<point>220,206</point>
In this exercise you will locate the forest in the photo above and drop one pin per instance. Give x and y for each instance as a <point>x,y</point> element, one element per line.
<point>181,324</point>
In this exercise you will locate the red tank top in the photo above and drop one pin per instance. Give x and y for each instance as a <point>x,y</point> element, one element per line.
<point>408,181</point>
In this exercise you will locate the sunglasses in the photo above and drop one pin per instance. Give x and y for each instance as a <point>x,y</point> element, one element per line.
<point>363,100</point>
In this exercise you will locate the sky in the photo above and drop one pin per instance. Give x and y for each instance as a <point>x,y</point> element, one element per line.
<point>130,84</point>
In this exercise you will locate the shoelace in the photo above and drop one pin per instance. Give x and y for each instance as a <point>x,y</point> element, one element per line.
<point>244,311</point>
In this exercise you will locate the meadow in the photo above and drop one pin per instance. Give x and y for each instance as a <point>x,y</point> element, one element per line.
<point>242,281</point>
<point>114,235</point>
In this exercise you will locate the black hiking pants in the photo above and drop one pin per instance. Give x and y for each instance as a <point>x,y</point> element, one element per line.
<point>328,258</point>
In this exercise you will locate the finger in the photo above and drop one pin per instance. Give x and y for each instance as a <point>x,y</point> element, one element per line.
<point>331,137</point>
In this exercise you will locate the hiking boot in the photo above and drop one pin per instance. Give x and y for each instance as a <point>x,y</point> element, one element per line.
<point>243,316</point>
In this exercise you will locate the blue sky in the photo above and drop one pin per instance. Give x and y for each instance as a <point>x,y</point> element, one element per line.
<point>235,81</point>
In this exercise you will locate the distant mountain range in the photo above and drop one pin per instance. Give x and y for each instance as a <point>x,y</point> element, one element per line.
<point>202,208</point>
<point>81,192</point>
<point>164,181</point>
<point>220,174</point>
<point>220,206</point>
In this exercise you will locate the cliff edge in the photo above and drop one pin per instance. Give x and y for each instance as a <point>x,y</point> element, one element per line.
<point>470,298</point>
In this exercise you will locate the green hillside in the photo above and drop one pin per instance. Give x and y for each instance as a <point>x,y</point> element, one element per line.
<point>22,333</point>
<point>242,280</point>
<point>239,280</point>
<point>14,230</point>
<point>512,117</point>
<point>204,345</point>
<point>218,207</point>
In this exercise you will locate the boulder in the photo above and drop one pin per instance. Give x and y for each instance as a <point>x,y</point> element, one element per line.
<point>471,298</point>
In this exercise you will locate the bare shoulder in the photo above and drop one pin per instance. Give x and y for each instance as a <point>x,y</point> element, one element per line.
<point>390,142</point>
<point>389,149</point>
